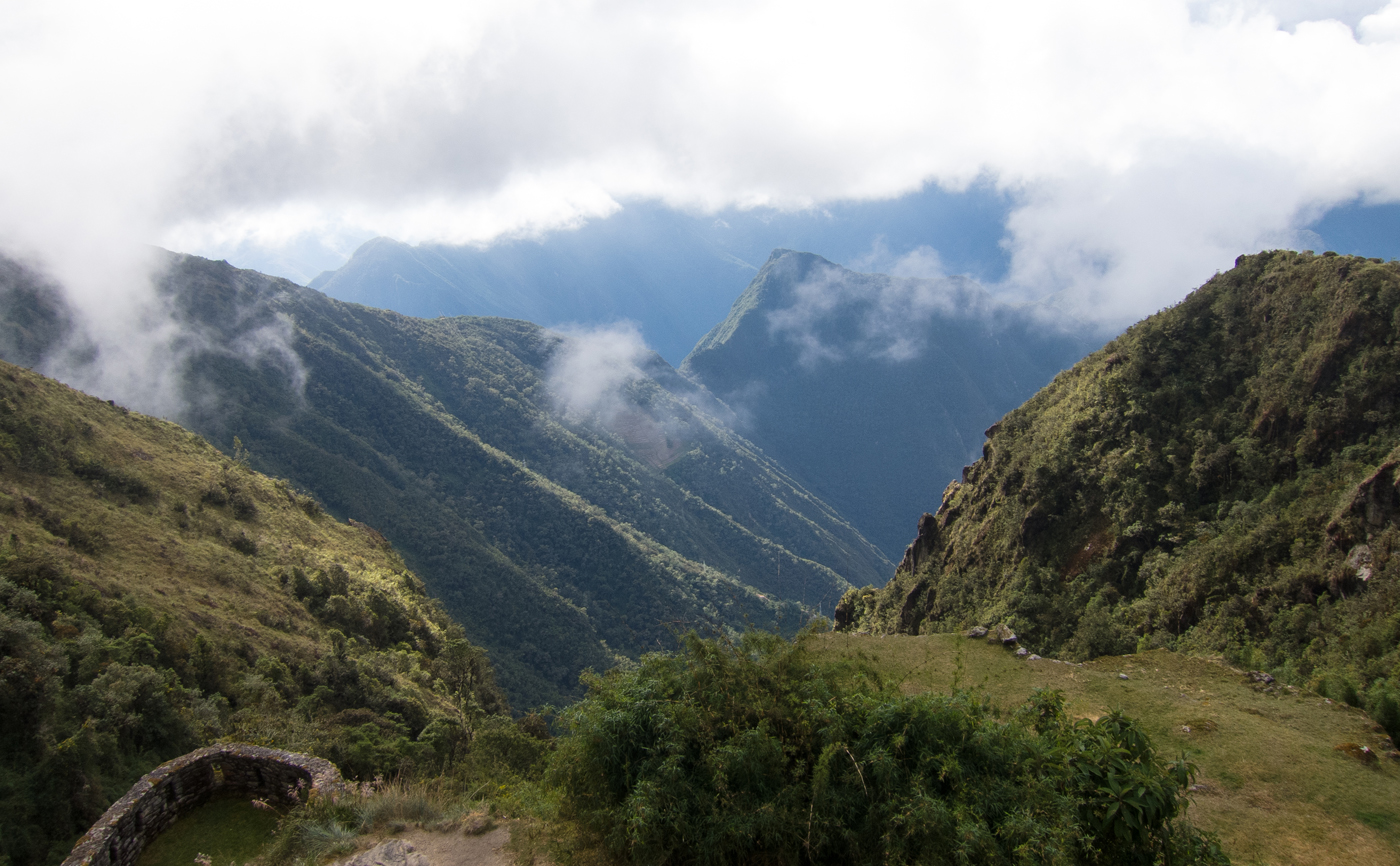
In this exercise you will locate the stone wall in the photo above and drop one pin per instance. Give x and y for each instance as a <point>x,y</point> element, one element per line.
<point>175,787</point>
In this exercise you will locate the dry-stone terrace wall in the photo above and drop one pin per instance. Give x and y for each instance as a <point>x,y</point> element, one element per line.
<point>176,787</point>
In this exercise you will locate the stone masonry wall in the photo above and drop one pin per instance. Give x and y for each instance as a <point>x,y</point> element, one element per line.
<point>175,787</point>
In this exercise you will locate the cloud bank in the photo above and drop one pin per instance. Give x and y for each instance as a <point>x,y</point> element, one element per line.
<point>1145,144</point>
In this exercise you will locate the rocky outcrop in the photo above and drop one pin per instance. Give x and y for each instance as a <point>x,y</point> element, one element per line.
<point>1374,505</point>
<point>1001,633</point>
<point>394,852</point>
<point>176,787</point>
<point>923,544</point>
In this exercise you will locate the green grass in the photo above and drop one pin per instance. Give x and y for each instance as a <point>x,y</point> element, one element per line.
<point>226,829</point>
<point>1274,787</point>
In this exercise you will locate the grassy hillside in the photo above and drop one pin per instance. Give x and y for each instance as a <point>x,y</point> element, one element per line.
<point>156,595</point>
<point>560,543</point>
<point>1271,781</point>
<point>869,407</point>
<point>1220,478</point>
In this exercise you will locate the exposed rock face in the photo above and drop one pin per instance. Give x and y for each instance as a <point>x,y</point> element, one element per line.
<point>1374,505</point>
<point>845,613</point>
<point>922,545</point>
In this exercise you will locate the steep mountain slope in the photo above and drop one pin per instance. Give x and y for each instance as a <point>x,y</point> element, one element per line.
<point>156,595</point>
<point>1221,478</point>
<point>559,541</point>
<point>872,389</point>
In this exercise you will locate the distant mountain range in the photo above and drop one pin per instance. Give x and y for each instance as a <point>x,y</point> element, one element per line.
<point>874,390</point>
<point>560,539</point>
<point>673,273</point>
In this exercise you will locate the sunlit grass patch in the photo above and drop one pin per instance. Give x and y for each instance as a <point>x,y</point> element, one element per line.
<point>1272,783</point>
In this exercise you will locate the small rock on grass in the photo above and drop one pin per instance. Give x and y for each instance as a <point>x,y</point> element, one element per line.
<point>1364,754</point>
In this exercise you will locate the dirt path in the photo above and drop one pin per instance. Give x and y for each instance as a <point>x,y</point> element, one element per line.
<point>453,848</point>
<point>459,849</point>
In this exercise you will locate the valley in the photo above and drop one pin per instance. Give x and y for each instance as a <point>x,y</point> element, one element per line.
<point>587,543</point>
<point>466,501</point>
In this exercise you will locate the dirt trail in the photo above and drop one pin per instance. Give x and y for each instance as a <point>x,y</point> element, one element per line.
<point>459,849</point>
<point>453,848</point>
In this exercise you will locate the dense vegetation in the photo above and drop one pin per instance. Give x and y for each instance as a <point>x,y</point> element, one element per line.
<point>559,543</point>
<point>156,595</point>
<point>873,389</point>
<point>753,752</point>
<point>1219,479</point>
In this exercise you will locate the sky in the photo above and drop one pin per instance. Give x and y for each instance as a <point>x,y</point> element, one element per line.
<point>1138,147</point>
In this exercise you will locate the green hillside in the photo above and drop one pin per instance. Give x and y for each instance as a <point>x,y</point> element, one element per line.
<point>873,389</point>
<point>156,595</point>
<point>1271,781</point>
<point>558,544</point>
<point>1219,479</point>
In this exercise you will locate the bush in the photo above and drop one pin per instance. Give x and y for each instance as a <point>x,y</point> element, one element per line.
<point>1383,703</point>
<point>748,752</point>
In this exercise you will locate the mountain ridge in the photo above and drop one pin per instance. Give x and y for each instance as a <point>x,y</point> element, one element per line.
<point>871,388</point>
<point>1217,479</point>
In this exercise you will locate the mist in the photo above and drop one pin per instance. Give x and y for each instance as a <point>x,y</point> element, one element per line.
<point>591,368</point>
<point>131,334</point>
<point>835,314</point>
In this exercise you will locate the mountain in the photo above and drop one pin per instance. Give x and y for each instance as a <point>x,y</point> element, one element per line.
<point>874,390</point>
<point>670,271</point>
<point>1221,478</point>
<point>574,278</point>
<point>561,539</point>
<point>156,595</point>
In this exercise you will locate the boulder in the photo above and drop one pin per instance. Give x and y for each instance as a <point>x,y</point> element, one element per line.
<point>394,852</point>
<point>975,632</point>
<point>1001,633</point>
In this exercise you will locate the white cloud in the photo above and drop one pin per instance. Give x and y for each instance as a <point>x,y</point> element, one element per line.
<point>1146,143</point>
<point>591,367</point>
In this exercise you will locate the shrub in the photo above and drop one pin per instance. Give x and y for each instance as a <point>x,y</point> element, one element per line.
<point>749,752</point>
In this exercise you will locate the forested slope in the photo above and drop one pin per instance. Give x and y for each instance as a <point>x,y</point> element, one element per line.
<point>559,542</point>
<point>1220,478</point>
<point>156,595</point>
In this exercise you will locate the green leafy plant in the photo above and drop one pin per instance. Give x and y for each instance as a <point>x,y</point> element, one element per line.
<point>747,750</point>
